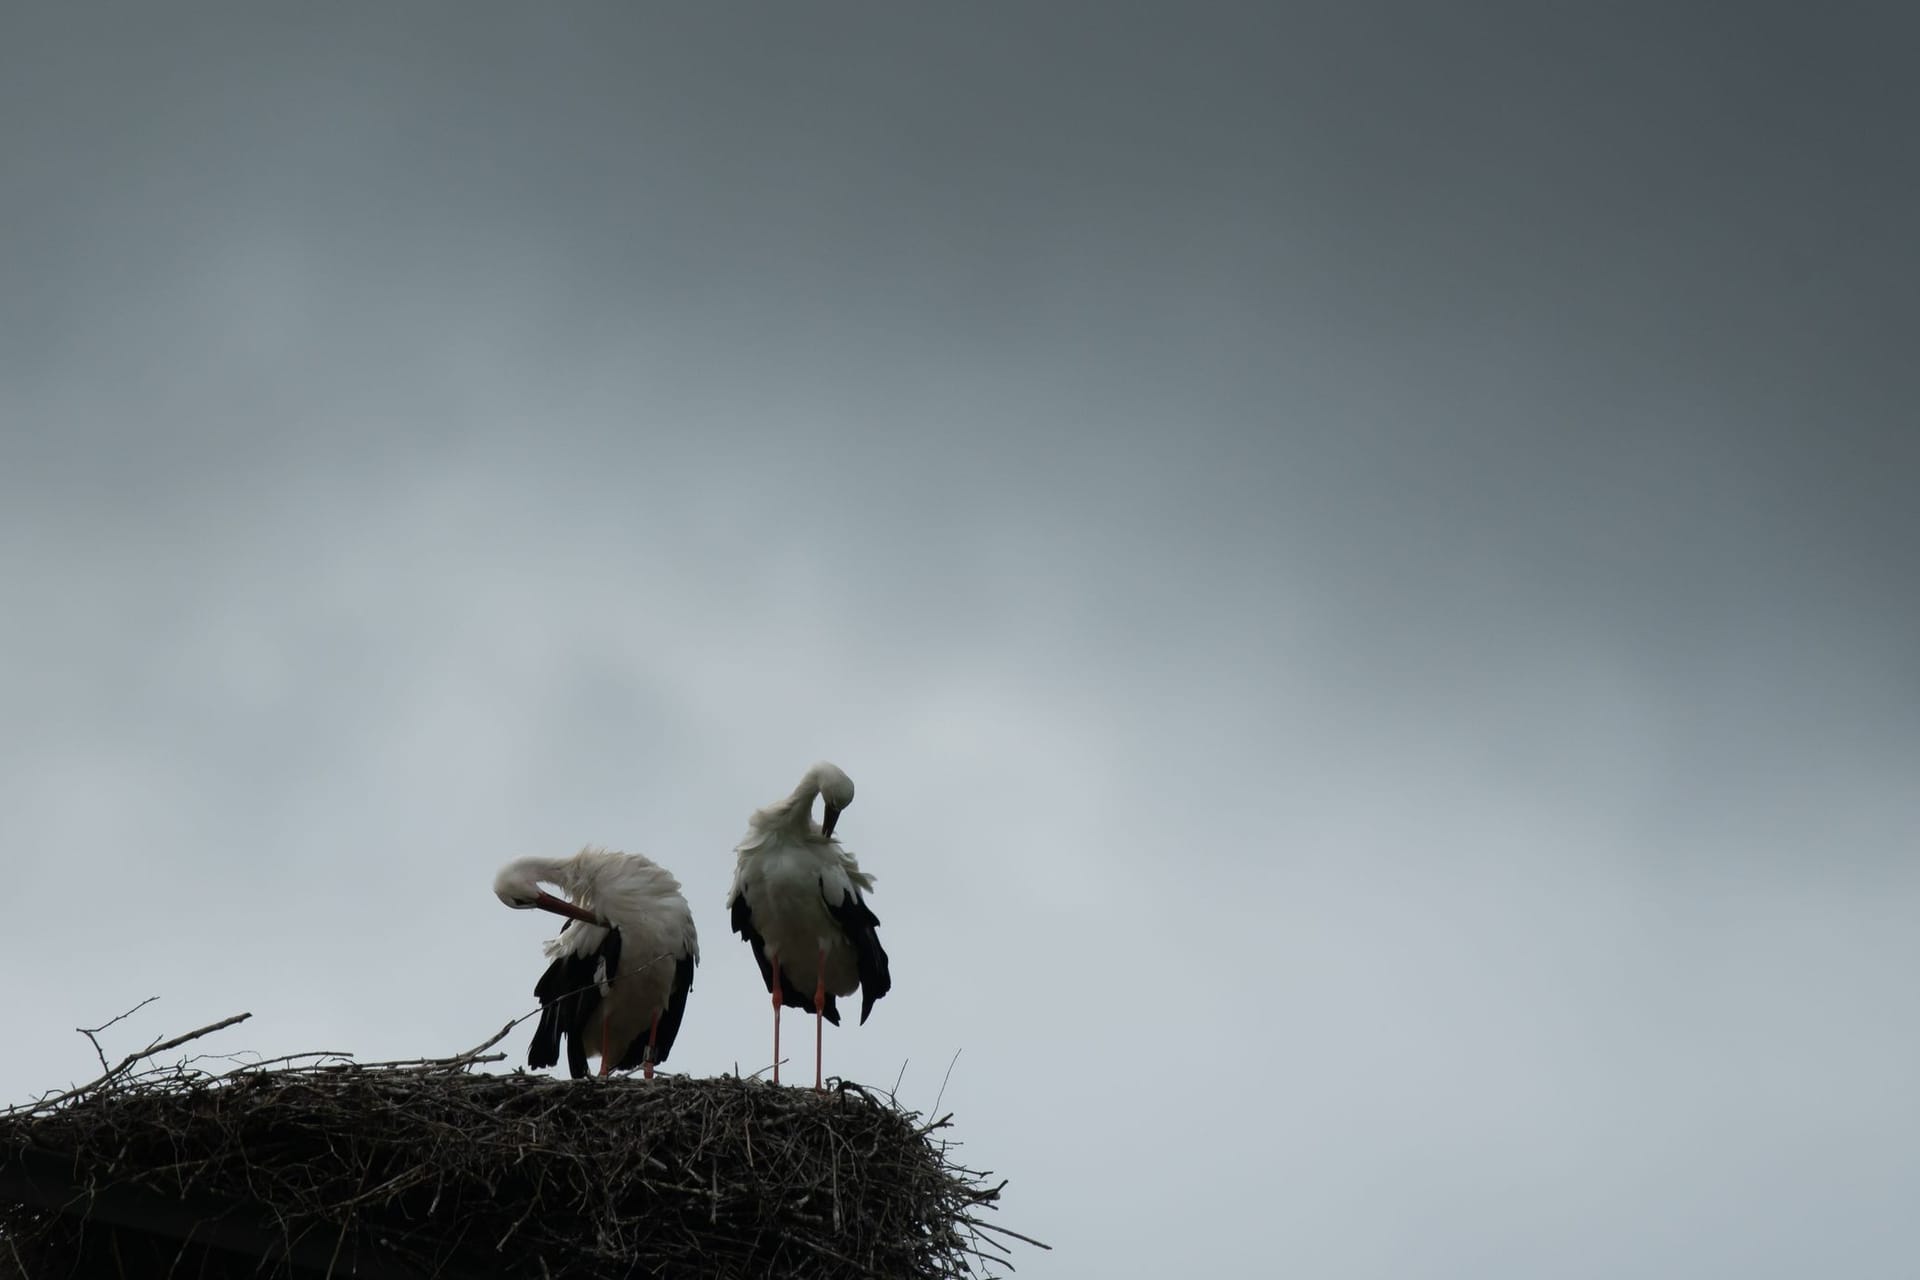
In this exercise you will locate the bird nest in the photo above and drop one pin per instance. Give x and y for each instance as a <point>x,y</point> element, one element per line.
<point>430,1168</point>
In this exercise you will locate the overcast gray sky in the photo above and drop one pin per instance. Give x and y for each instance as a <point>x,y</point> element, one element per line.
<point>1360,556</point>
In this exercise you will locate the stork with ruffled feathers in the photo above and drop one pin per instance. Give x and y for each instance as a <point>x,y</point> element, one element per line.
<point>798,900</point>
<point>621,966</point>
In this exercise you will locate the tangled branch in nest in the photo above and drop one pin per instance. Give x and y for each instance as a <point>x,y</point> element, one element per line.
<point>428,1168</point>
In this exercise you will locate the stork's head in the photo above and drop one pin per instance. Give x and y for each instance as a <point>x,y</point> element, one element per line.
<point>836,793</point>
<point>518,885</point>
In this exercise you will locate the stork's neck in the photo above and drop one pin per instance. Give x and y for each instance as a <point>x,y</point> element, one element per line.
<point>797,808</point>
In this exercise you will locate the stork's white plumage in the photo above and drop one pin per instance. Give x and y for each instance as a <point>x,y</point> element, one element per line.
<point>621,968</point>
<point>797,900</point>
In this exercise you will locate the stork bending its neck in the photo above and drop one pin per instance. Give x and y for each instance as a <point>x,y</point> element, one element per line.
<point>626,1010</point>
<point>797,900</point>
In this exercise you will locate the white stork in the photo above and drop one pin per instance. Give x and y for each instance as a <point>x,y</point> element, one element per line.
<point>796,899</point>
<point>618,983</point>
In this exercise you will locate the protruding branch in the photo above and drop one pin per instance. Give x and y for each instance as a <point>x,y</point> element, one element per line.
<point>128,1061</point>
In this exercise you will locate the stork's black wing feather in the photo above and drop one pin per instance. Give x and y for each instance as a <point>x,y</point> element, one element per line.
<point>861,926</point>
<point>564,991</point>
<point>577,1053</point>
<point>569,995</point>
<point>544,1049</point>
<point>606,960</point>
<point>742,924</point>
<point>676,1009</point>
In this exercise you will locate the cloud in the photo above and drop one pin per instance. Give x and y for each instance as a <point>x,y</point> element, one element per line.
<point>1360,573</point>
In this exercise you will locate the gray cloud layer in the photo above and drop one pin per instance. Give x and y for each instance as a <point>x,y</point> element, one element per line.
<point>1360,562</point>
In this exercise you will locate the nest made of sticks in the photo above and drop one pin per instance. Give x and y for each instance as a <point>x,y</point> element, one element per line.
<point>434,1169</point>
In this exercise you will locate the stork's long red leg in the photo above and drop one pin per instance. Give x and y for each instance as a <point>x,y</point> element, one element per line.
<point>606,1050</point>
<point>776,1020</point>
<point>652,1037</point>
<point>819,1019</point>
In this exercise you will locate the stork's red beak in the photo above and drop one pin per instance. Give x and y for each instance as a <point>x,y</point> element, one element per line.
<point>561,907</point>
<point>828,818</point>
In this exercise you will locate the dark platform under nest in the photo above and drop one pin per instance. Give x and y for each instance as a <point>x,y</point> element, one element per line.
<point>437,1170</point>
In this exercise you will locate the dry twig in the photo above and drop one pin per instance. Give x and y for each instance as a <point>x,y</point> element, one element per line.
<point>159,1047</point>
<point>91,1032</point>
